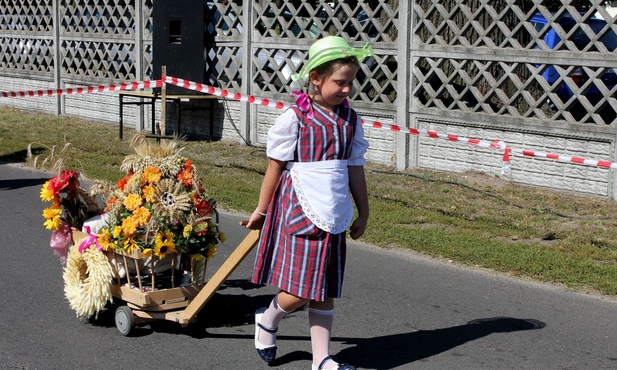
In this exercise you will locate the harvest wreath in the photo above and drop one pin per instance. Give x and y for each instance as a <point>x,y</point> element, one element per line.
<point>158,210</point>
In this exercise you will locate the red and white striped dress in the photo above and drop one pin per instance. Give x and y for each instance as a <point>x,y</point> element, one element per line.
<point>293,254</point>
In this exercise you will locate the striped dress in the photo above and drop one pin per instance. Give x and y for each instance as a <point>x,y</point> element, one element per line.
<point>293,254</point>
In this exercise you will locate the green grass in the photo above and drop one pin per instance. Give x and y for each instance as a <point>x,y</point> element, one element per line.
<point>472,219</point>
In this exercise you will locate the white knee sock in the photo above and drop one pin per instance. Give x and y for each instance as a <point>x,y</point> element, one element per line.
<point>320,322</point>
<point>270,319</point>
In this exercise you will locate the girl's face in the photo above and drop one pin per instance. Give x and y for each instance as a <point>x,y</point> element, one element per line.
<point>332,90</point>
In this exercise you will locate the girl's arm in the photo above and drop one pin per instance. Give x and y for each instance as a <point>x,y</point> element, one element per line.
<point>271,178</point>
<point>359,192</point>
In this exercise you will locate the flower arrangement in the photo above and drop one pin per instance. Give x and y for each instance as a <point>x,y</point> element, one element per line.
<point>70,207</point>
<point>71,204</point>
<point>159,207</point>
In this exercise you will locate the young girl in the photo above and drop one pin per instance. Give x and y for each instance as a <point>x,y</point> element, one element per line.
<point>316,156</point>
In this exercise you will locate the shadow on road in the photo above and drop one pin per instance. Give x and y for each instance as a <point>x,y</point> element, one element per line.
<point>395,350</point>
<point>21,183</point>
<point>382,352</point>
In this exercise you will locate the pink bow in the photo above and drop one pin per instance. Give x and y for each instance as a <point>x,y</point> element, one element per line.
<point>304,103</point>
<point>92,239</point>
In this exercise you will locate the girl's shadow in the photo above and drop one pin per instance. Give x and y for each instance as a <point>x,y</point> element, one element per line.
<point>390,351</point>
<point>382,352</point>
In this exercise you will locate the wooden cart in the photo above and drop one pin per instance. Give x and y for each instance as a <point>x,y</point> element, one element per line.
<point>179,304</point>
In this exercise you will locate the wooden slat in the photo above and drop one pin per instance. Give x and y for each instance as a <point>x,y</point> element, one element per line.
<point>219,277</point>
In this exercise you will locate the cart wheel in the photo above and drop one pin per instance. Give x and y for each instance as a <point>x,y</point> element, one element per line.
<point>125,320</point>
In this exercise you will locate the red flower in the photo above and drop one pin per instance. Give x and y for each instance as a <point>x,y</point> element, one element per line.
<point>201,228</point>
<point>122,182</point>
<point>203,207</point>
<point>63,180</point>
<point>110,203</point>
<point>186,177</point>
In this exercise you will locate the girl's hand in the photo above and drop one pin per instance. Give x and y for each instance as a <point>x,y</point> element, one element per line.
<point>256,221</point>
<point>357,228</point>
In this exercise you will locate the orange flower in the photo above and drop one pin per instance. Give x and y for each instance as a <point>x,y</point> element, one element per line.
<point>151,175</point>
<point>142,215</point>
<point>129,227</point>
<point>132,202</point>
<point>186,177</point>
<point>148,193</point>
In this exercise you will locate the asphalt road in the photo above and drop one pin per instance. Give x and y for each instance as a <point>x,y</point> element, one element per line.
<point>398,311</point>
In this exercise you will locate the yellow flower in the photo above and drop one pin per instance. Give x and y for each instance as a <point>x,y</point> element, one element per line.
<point>163,244</point>
<point>161,250</point>
<point>52,215</point>
<point>146,252</point>
<point>222,237</point>
<point>47,194</point>
<point>117,232</point>
<point>129,227</point>
<point>104,238</point>
<point>211,251</point>
<point>129,245</point>
<point>149,193</point>
<point>52,212</point>
<point>166,238</point>
<point>53,223</point>
<point>151,175</point>
<point>142,215</point>
<point>132,202</point>
<point>187,231</point>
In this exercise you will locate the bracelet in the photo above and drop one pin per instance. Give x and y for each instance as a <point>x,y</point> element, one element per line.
<point>260,213</point>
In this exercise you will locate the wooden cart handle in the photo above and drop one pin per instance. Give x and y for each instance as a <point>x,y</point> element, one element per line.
<point>219,277</point>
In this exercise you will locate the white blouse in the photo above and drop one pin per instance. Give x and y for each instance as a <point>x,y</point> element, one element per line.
<point>322,187</point>
<point>283,136</point>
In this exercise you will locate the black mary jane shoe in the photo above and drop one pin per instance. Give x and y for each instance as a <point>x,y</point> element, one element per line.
<point>339,366</point>
<point>266,352</point>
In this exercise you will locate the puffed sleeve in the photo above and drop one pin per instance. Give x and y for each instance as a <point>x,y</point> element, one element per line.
<point>283,137</point>
<point>358,147</point>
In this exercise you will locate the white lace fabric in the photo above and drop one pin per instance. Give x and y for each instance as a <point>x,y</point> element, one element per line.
<point>323,191</point>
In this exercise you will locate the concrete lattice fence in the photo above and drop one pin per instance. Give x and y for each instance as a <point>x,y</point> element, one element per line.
<point>477,69</point>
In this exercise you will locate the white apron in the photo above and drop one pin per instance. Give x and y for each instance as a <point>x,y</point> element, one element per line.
<point>323,190</point>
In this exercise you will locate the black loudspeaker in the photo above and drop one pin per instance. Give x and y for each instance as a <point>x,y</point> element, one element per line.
<point>178,41</point>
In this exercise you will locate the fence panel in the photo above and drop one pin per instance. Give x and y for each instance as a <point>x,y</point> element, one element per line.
<point>525,70</point>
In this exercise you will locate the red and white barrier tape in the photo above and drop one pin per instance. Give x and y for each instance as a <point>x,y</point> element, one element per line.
<point>196,86</point>
<point>564,158</point>
<point>211,90</point>
<point>83,90</point>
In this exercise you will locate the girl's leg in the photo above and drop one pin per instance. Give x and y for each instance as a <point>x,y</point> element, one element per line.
<point>321,315</point>
<point>282,304</point>
<point>267,321</point>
